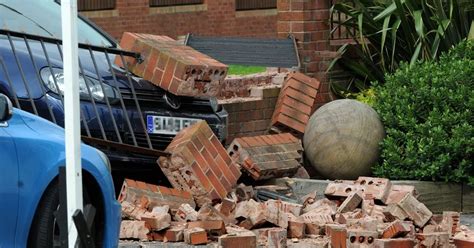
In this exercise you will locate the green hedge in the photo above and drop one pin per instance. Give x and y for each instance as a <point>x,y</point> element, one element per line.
<point>427,111</point>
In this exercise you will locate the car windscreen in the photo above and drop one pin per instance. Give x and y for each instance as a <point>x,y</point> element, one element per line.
<point>43,17</point>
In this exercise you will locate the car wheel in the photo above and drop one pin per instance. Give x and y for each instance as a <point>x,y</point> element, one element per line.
<point>44,232</point>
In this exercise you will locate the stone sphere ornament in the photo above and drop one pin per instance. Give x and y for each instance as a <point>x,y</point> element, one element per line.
<point>341,140</point>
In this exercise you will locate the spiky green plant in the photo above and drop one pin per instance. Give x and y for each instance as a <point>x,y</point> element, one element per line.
<point>387,32</point>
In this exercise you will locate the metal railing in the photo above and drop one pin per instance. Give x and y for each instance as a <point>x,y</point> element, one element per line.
<point>164,3</point>
<point>30,74</point>
<point>86,5</point>
<point>255,4</point>
<point>338,31</point>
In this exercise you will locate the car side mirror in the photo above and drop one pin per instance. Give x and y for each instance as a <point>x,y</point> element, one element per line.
<point>6,108</point>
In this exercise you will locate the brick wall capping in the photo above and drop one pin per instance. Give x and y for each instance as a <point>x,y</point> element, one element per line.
<point>456,197</point>
<point>100,13</point>
<point>256,13</point>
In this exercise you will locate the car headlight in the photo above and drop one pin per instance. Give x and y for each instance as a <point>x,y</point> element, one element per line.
<point>55,82</point>
<point>106,160</point>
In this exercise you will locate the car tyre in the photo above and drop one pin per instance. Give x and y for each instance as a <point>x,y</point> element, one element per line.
<point>43,233</point>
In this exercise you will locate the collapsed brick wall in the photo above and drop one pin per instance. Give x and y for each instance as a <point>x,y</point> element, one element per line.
<point>214,17</point>
<point>252,115</point>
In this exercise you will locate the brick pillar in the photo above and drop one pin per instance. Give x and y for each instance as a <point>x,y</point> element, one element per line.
<point>307,21</point>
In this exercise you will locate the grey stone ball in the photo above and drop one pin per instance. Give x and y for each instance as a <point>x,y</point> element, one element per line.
<point>341,140</point>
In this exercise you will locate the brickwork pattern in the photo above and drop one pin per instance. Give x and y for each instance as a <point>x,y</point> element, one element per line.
<point>199,164</point>
<point>295,104</point>
<point>174,67</point>
<point>215,17</point>
<point>267,156</point>
<point>251,116</point>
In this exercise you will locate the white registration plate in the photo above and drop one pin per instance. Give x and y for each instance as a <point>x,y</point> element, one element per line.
<point>167,125</point>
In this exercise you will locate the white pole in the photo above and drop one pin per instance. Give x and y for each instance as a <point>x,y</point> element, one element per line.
<point>71,115</point>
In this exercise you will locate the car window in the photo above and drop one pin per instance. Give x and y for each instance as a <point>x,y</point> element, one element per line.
<point>43,17</point>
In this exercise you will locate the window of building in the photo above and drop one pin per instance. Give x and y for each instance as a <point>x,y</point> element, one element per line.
<point>255,4</point>
<point>163,3</point>
<point>86,5</point>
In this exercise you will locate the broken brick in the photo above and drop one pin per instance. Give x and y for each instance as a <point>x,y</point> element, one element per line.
<point>436,239</point>
<point>195,236</point>
<point>149,196</point>
<point>322,206</point>
<point>340,189</point>
<point>133,229</point>
<point>415,210</point>
<point>296,227</point>
<point>199,164</point>
<point>175,233</point>
<point>213,227</point>
<point>174,67</point>
<point>378,188</point>
<point>267,156</point>
<point>397,192</point>
<point>238,240</point>
<point>337,234</point>
<point>394,212</point>
<point>186,213</point>
<point>394,243</point>
<point>366,223</point>
<point>271,237</point>
<point>450,222</point>
<point>227,207</point>
<point>156,221</point>
<point>464,239</point>
<point>315,222</point>
<point>132,211</point>
<point>360,238</point>
<point>396,229</point>
<point>294,105</point>
<point>351,202</point>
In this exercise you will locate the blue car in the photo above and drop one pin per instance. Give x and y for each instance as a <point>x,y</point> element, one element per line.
<point>31,152</point>
<point>127,117</point>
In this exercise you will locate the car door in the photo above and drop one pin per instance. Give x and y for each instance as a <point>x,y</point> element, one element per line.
<point>8,187</point>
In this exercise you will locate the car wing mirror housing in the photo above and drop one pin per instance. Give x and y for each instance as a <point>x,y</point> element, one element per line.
<point>6,108</point>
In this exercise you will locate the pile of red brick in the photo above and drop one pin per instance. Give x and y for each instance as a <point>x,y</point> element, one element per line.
<point>368,212</point>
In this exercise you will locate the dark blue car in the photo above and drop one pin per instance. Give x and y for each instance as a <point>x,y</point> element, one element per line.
<point>31,153</point>
<point>128,118</point>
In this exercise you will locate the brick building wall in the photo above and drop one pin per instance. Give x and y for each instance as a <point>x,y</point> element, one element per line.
<point>213,17</point>
<point>308,22</point>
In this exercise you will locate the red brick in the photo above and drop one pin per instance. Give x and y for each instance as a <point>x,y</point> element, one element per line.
<point>395,230</point>
<point>140,193</point>
<point>190,67</point>
<point>271,237</point>
<point>195,236</point>
<point>350,203</point>
<point>262,160</point>
<point>360,238</point>
<point>238,240</point>
<point>337,234</point>
<point>379,188</point>
<point>297,88</point>
<point>175,232</point>
<point>436,239</point>
<point>213,227</point>
<point>464,239</point>
<point>394,243</point>
<point>185,213</point>
<point>133,229</point>
<point>186,169</point>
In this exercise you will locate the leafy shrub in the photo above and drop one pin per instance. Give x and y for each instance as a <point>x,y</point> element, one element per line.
<point>387,32</point>
<point>427,111</point>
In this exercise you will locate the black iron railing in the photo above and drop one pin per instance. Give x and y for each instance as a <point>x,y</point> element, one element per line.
<point>30,74</point>
<point>255,4</point>
<point>164,3</point>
